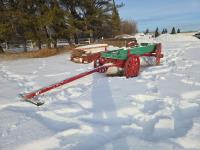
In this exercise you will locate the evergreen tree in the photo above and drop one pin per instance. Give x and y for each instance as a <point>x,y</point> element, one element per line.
<point>42,20</point>
<point>89,17</point>
<point>56,22</point>
<point>4,25</point>
<point>74,21</point>
<point>163,31</point>
<point>96,14</point>
<point>23,19</point>
<point>173,31</point>
<point>13,21</point>
<point>147,31</point>
<point>45,21</point>
<point>115,20</point>
<point>166,30</point>
<point>157,32</point>
<point>178,31</point>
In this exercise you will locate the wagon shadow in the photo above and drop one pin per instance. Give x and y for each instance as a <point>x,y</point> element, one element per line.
<point>104,121</point>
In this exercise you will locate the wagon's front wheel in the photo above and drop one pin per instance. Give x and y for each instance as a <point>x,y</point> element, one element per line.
<point>132,66</point>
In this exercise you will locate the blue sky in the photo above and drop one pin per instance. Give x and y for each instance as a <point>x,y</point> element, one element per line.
<point>183,14</point>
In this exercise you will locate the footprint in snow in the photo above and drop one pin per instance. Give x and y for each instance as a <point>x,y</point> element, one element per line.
<point>74,92</point>
<point>41,67</point>
<point>151,107</point>
<point>151,87</point>
<point>188,80</point>
<point>34,72</point>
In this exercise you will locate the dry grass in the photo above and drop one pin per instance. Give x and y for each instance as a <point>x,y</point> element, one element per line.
<point>35,54</point>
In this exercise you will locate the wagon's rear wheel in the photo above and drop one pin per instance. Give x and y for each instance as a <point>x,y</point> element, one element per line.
<point>100,62</point>
<point>132,66</point>
<point>158,53</point>
<point>158,56</point>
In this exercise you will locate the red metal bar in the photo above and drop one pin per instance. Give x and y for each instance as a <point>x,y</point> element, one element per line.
<point>48,88</point>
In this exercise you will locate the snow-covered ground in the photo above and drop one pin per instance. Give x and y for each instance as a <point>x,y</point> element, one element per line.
<point>159,109</point>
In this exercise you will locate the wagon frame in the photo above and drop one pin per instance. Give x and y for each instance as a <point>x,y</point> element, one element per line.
<point>130,60</point>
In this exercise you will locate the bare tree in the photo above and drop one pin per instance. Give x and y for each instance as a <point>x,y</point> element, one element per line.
<point>128,27</point>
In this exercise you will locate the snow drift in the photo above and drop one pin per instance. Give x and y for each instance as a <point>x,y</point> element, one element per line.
<point>176,38</point>
<point>159,109</point>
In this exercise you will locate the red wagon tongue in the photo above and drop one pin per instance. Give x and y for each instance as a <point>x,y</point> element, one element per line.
<point>31,97</point>
<point>33,100</point>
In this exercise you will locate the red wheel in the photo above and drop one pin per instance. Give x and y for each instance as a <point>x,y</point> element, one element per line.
<point>99,62</point>
<point>158,55</point>
<point>132,66</point>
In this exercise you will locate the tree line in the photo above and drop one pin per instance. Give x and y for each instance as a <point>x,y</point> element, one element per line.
<point>46,21</point>
<point>164,31</point>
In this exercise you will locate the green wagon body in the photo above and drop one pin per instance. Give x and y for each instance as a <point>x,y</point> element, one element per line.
<point>122,54</point>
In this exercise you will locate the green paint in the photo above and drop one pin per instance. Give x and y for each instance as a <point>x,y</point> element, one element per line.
<point>122,54</point>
